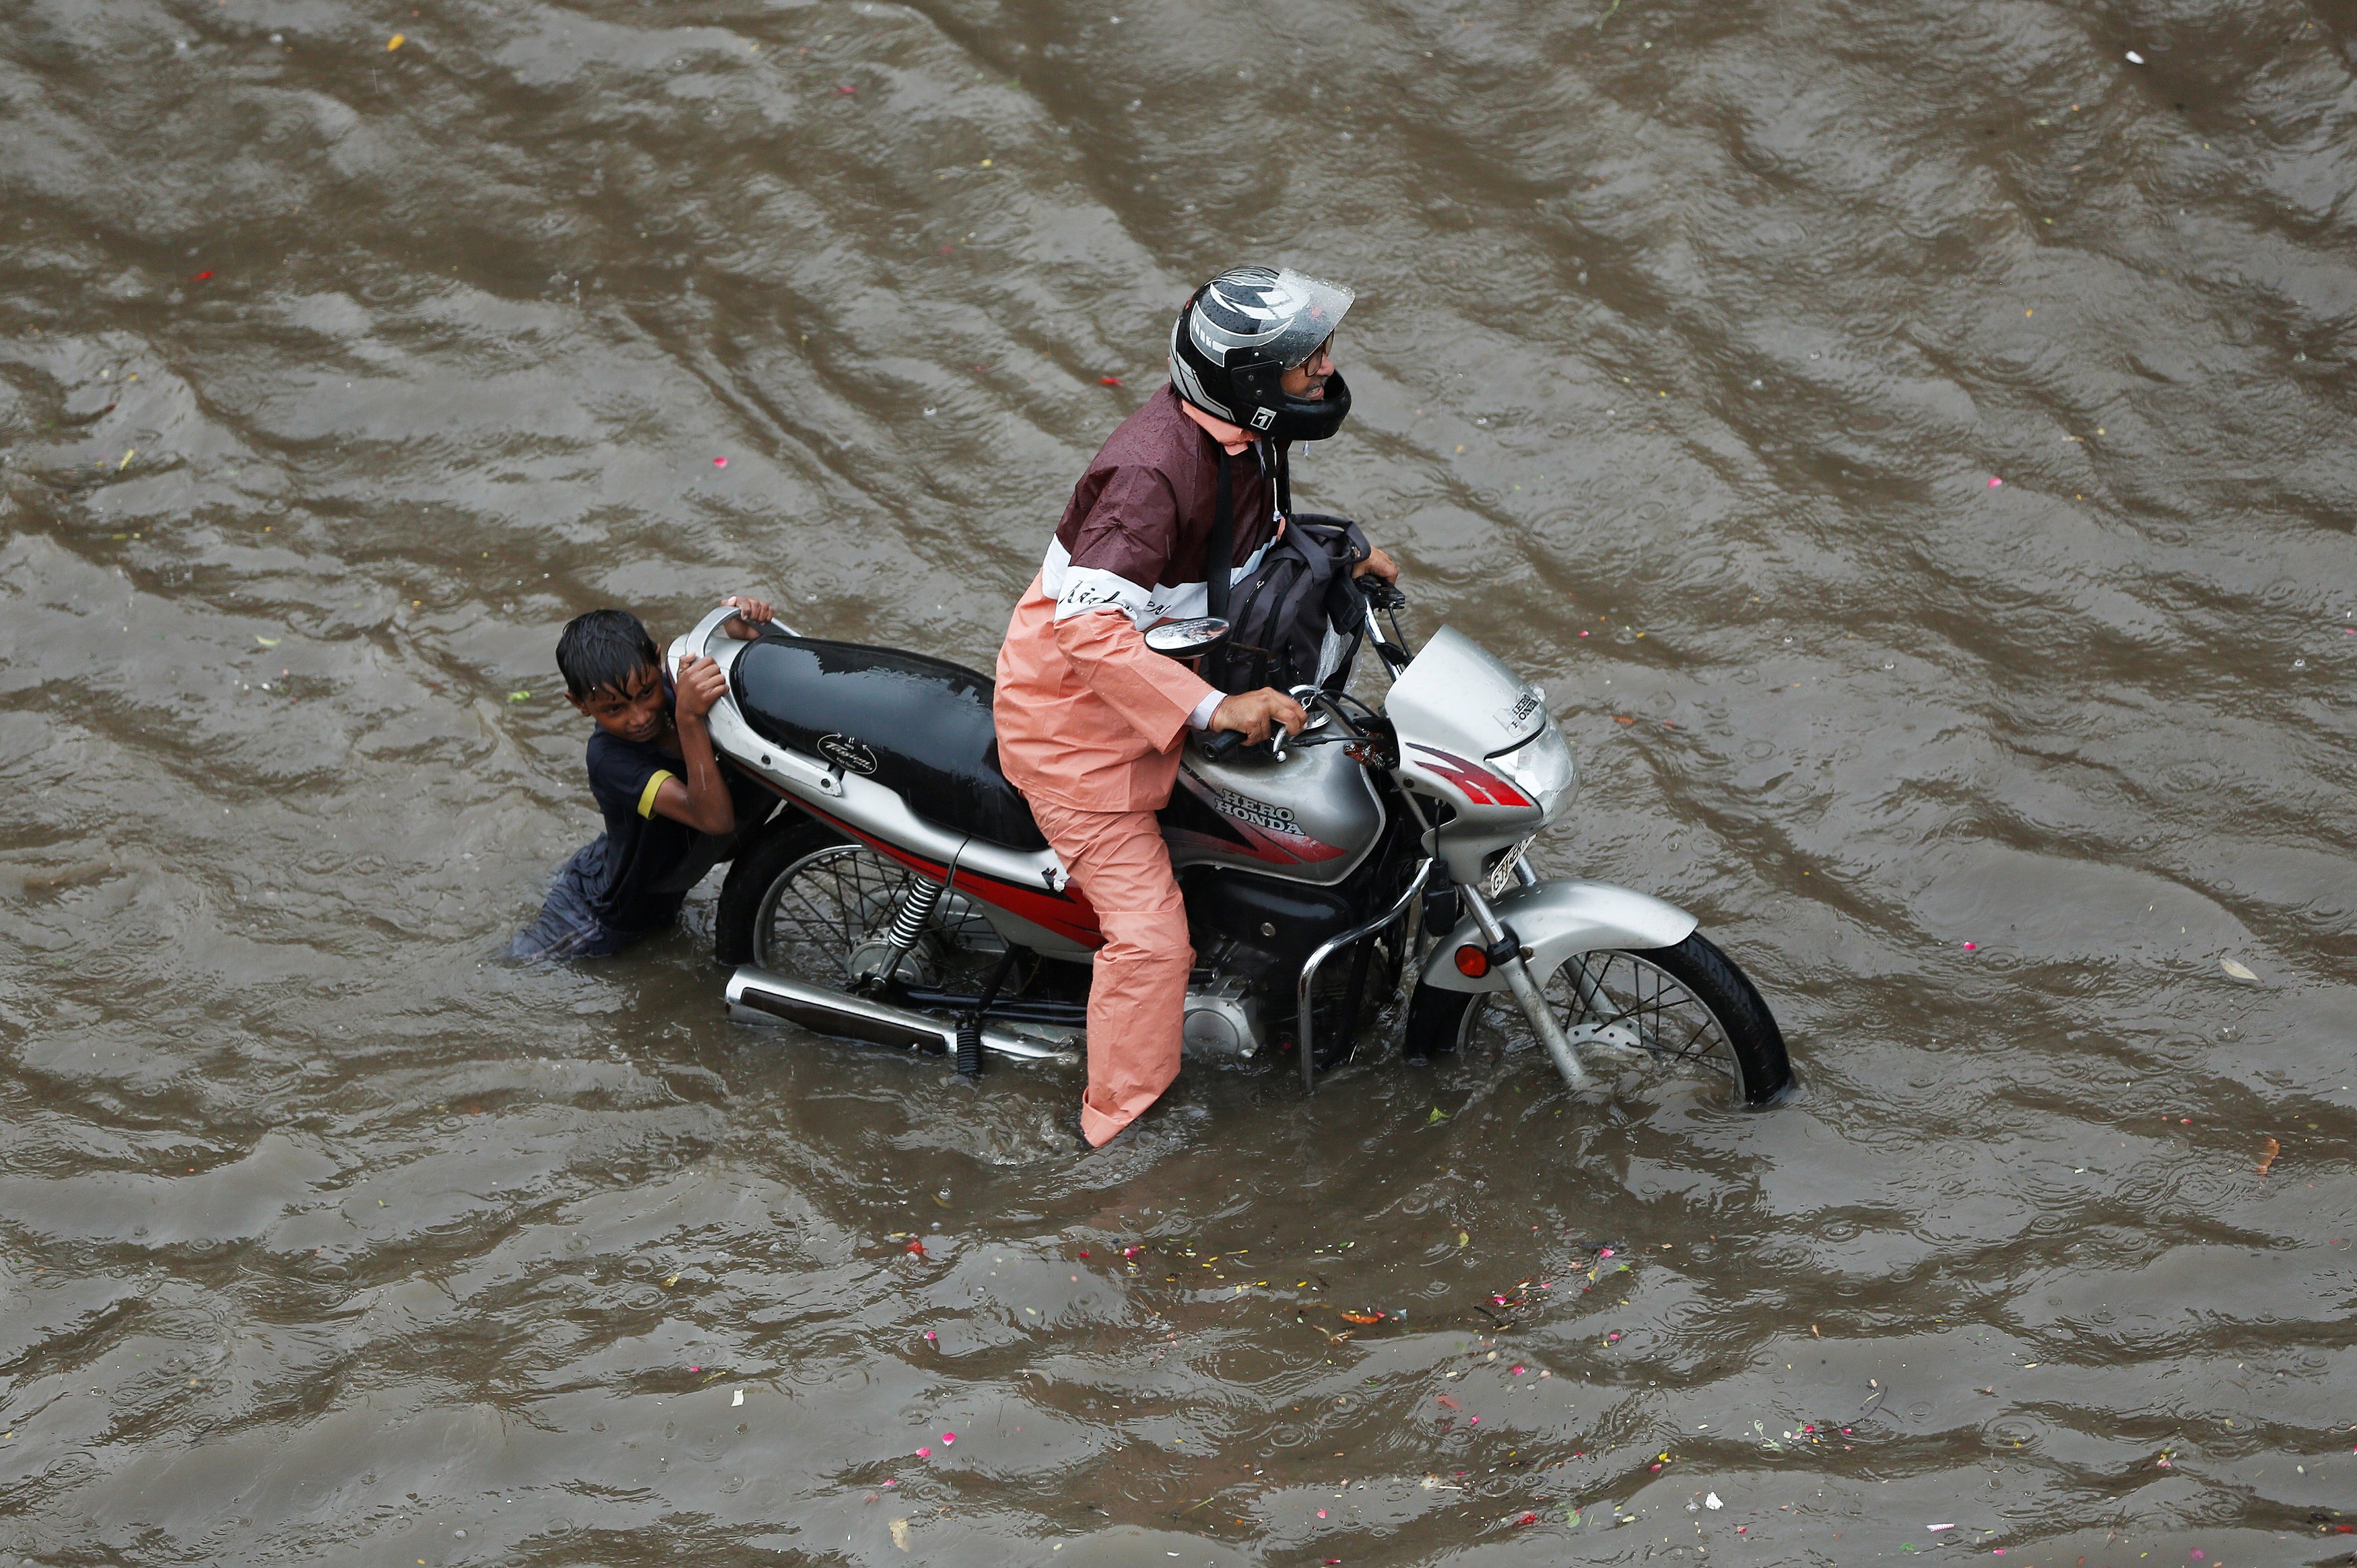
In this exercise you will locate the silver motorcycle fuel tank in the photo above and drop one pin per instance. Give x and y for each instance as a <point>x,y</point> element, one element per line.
<point>1311,818</point>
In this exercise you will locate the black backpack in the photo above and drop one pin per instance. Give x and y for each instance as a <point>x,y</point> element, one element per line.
<point>1297,618</point>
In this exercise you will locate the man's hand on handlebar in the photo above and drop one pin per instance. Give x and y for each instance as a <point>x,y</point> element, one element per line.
<point>1250,714</point>
<point>1379,564</point>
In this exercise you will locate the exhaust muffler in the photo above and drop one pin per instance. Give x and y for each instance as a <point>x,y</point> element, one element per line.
<point>756,996</point>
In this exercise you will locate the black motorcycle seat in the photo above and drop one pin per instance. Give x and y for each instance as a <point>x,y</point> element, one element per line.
<point>920,726</point>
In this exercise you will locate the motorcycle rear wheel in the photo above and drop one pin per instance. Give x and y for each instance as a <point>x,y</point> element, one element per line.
<point>811,904</point>
<point>1685,1011</point>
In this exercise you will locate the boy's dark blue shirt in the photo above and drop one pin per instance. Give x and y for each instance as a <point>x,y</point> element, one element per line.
<point>641,886</point>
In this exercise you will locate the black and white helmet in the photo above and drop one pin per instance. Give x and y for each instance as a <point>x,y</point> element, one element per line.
<point>1239,334</point>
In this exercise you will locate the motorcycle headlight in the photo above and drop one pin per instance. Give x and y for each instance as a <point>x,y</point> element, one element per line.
<point>1541,766</point>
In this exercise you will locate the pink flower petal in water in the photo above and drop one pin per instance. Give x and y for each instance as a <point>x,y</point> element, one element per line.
<point>949,1437</point>
<point>1518,1372</point>
<point>720,462</point>
<point>924,1452</point>
<point>1972,947</point>
<point>1993,483</point>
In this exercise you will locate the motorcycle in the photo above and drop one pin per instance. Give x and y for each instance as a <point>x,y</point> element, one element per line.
<point>906,898</point>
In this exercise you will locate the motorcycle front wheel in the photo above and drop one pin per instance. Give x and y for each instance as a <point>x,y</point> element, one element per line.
<point>1686,1011</point>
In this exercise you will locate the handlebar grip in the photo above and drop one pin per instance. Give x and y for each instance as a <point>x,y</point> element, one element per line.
<point>1221,744</point>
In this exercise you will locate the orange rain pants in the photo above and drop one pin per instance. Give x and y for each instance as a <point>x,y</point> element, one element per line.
<point>1088,728</point>
<point>1137,992</point>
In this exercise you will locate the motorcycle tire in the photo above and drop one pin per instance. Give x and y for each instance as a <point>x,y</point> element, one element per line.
<point>1438,1021</point>
<point>789,837</point>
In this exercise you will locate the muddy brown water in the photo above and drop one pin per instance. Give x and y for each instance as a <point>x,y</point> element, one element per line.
<point>1692,342</point>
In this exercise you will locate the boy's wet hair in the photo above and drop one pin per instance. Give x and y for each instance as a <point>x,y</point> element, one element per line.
<point>603,648</point>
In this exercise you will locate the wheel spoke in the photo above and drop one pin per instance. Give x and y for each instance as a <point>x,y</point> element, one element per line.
<point>1674,1028</point>
<point>822,911</point>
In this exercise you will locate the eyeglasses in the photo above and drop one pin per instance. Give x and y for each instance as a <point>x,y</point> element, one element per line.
<point>1323,352</point>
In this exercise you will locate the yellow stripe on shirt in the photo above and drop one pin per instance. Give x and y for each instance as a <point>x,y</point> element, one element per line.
<point>654,785</point>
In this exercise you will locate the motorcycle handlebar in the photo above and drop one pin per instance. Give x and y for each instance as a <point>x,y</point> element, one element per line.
<point>1382,595</point>
<point>1221,745</point>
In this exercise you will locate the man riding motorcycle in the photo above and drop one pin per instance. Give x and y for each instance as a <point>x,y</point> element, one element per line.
<point>1090,722</point>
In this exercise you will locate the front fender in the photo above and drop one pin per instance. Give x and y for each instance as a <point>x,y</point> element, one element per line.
<point>1557,919</point>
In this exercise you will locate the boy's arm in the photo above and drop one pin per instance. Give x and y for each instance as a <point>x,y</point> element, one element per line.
<point>701,802</point>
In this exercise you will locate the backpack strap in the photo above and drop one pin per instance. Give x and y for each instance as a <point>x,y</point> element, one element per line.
<point>1220,555</point>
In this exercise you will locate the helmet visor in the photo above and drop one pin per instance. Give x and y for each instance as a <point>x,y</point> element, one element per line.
<point>1318,313</point>
<point>1251,316</point>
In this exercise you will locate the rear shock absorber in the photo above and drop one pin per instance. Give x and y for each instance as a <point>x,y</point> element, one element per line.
<point>909,922</point>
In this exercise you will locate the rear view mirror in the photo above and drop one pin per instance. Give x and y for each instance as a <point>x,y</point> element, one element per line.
<point>1188,639</point>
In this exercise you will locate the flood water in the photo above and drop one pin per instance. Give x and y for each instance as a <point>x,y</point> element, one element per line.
<point>1693,343</point>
